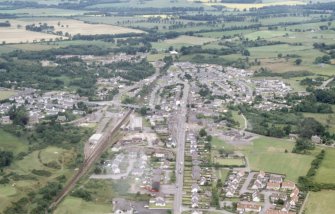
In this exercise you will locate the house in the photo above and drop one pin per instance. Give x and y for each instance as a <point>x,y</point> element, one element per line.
<point>241,173</point>
<point>316,139</point>
<point>195,202</point>
<point>5,120</point>
<point>248,207</point>
<point>195,188</point>
<point>286,207</point>
<point>230,192</point>
<point>271,211</point>
<point>61,118</point>
<point>275,179</point>
<point>202,181</point>
<point>256,196</point>
<point>276,196</point>
<point>294,196</point>
<point>261,175</point>
<point>295,192</point>
<point>160,201</point>
<point>273,186</point>
<point>258,184</point>
<point>196,172</point>
<point>288,185</point>
<point>122,206</point>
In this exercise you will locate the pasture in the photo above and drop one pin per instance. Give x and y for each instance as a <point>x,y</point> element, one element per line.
<point>326,172</point>
<point>269,154</point>
<point>320,202</point>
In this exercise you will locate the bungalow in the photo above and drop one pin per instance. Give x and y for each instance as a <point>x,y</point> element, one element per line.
<point>256,196</point>
<point>288,185</point>
<point>160,201</point>
<point>195,203</point>
<point>248,207</point>
<point>195,188</point>
<point>273,186</point>
<point>196,172</point>
<point>202,181</point>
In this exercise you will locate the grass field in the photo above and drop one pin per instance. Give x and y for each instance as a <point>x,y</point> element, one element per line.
<point>268,154</point>
<point>326,172</point>
<point>237,117</point>
<point>74,27</point>
<point>4,94</point>
<point>226,161</point>
<point>320,202</point>
<point>14,35</point>
<point>182,41</point>
<point>71,205</point>
<point>11,143</point>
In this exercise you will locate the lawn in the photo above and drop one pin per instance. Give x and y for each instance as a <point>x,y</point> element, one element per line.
<point>320,202</point>
<point>268,154</point>
<point>71,205</point>
<point>5,94</point>
<point>230,161</point>
<point>9,142</point>
<point>326,172</point>
<point>221,173</point>
<point>238,117</point>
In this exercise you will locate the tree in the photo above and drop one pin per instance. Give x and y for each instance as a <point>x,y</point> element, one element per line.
<point>6,158</point>
<point>298,61</point>
<point>309,127</point>
<point>202,132</point>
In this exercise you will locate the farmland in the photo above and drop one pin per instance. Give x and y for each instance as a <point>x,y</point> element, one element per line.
<point>326,172</point>
<point>320,202</point>
<point>269,154</point>
<point>19,35</point>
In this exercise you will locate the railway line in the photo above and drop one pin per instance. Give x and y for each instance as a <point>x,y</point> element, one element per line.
<point>101,147</point>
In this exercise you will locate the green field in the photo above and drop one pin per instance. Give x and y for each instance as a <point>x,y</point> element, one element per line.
<point>4,94</point>
<point>72,205</point>
<point>320,202</point>
<point>11,143</point>
<point>230,161</point>
<point>268,154</point>
<point>326,172</point>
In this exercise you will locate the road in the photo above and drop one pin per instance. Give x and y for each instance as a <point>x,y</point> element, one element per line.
<point>325,83</point>
<point>180,139</point>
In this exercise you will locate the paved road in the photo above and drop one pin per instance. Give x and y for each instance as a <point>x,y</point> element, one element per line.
<point>180,139</point>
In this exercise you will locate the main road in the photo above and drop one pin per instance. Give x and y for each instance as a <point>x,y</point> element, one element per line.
<point>180,136</point>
